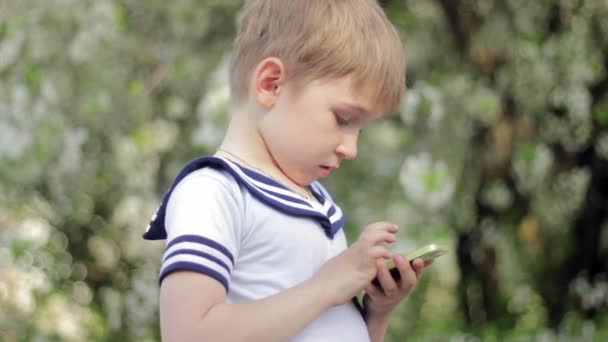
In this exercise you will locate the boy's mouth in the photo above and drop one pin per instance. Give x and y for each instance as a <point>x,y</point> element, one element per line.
<point>326,170</point>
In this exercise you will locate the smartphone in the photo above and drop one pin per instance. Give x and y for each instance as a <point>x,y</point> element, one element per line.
<point>429,252</point>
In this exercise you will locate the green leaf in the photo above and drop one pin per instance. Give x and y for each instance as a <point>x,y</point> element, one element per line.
<point>19,247</point>
<point>122,22</point>
<point>3,30</point>
<point>601,116</point>
<point>136,87</point>
<point>32,76</point>
<point>432,180</point>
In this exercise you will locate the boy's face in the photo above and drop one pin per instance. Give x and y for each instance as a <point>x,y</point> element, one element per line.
<point>309,130</point>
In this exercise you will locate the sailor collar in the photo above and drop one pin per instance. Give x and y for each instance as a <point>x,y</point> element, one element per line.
<point>265,189</point>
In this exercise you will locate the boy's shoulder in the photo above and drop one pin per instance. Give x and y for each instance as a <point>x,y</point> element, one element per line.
<point>202,176</point>
<point>213,178</point>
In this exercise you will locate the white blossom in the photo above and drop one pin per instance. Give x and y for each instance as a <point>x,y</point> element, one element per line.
<point>426,182</point>
<point>61,317</point>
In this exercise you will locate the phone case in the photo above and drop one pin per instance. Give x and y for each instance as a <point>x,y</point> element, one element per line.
<point>429,252</point>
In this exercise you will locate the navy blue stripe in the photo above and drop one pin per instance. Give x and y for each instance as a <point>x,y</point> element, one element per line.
<point>317,195</point>
<point>203,241</point>
<point>340,221</point>
<point>287,198</point>
<point>260,177</point>
<point>199,253</point>
<point>291,210</point>
<point>337,225</point>
<point>190,266</point>
<point>324,193</point>
<point>284,207</point>
<point>284,197</point>
<point>331,211</point>
<point>268,181</point>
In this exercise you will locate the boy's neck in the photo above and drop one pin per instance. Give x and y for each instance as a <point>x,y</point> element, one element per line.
<point>243,140</point>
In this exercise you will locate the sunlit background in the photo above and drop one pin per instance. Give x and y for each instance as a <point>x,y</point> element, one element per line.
<point>499,152</point>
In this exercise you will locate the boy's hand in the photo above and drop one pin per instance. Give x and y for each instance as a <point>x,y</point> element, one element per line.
<point>381,301</point>
<point>346,274</point>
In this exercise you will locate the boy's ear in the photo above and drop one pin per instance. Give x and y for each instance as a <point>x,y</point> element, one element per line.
<point>268,78</point>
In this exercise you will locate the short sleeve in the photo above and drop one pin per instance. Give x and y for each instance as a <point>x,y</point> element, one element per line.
<point>203,226</point>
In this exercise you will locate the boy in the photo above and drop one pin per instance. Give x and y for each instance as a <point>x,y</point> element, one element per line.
<point>255,247</point>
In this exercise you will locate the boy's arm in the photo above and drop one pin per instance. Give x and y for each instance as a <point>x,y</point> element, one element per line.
<point>377,326</point>
<point>193,308</point>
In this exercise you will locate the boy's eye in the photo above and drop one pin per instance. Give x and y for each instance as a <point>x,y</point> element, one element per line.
<point>342,120</point>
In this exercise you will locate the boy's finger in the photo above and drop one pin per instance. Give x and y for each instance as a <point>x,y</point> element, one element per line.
<point>380,252</point>
<point>389,286</point>
<point>382,225</point>
<point>408,275</point>
<point>418,266</point>
<point>373,290</point>
<point>378,237</point>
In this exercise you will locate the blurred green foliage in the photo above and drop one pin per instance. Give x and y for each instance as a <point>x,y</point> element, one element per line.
<point>500,152</point>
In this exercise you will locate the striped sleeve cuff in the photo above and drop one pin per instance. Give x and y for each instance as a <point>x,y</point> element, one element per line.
<point>198,254</point>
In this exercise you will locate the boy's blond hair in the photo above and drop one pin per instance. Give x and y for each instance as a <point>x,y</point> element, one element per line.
<point>321,40</point>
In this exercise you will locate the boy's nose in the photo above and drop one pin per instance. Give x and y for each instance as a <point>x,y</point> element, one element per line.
<point>348,148</point>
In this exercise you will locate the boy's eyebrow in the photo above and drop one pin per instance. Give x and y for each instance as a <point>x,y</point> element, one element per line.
<point>356,108</point>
